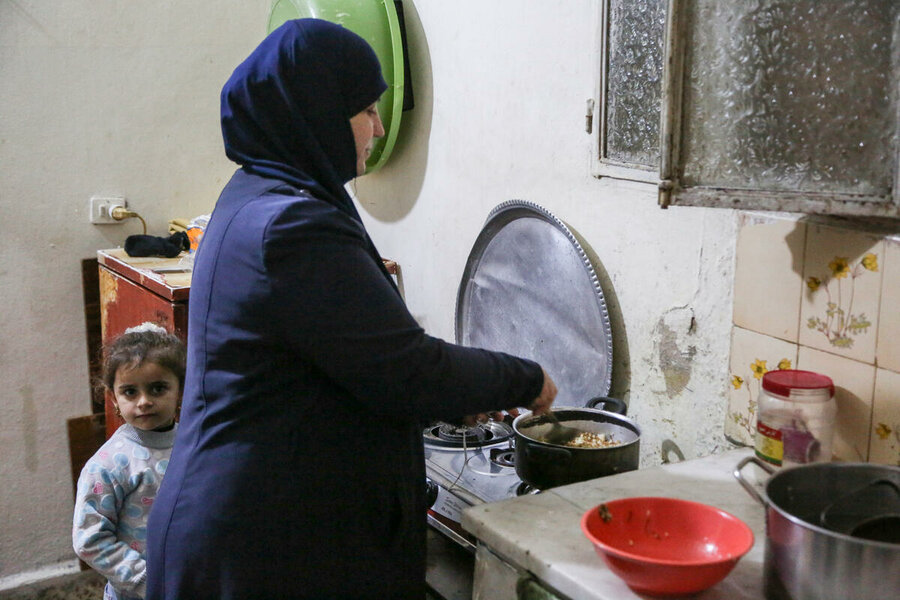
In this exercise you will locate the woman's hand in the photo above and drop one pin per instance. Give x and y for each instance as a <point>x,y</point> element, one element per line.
<point>542,403</point>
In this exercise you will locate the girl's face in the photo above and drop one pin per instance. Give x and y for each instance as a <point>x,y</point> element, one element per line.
<point>366,126</point>
<point>147,395</point>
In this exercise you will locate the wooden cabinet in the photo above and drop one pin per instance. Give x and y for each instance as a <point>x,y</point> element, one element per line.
<point>134,290</point>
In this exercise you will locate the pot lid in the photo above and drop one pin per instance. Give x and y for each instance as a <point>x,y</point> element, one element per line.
<point>786,381</point>
<point>530,290</point>
<point>377,22</point>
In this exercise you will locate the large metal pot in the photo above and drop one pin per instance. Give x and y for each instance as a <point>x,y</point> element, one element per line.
<point>545,465</point>
<point>805,560</point>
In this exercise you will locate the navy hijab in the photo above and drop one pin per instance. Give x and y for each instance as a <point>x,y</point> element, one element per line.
<point>286,109</point>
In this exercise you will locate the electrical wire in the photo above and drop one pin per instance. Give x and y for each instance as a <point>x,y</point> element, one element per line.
<point>466,458</point>
<point>121,213</point>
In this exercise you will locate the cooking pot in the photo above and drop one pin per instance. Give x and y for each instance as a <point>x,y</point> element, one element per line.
<point>545,465</point>
<point>804,559</point>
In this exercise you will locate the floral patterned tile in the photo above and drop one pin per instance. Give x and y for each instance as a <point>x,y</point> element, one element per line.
<point>854,384</point>
<point>839,309</point>
<point>885,445</point>
<point>888,350</point>
<point>752,355</point>
<point>768,275</point>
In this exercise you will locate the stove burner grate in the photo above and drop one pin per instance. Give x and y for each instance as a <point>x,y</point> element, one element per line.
<point>526,489</point>
<point>503,457</point>
<point>456,435</point>
<point>446,435</point>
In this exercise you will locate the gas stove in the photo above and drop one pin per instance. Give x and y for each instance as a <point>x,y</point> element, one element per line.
<point>467,466</point>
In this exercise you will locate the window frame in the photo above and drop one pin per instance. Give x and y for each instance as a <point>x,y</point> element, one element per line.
<point>673,193</point>
<point>602,165</point>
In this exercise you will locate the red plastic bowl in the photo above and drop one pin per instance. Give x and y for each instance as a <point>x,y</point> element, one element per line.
<point>665,546</point>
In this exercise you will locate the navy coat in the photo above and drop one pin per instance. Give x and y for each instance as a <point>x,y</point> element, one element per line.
<point>298,469</point>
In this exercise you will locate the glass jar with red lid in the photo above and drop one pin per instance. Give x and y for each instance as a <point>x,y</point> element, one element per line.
<point>795,418</point>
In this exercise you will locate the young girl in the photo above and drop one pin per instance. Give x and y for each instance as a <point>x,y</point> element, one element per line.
<point>144,369</point>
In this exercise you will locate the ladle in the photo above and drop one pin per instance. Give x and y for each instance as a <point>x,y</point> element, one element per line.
<point>559,434</point>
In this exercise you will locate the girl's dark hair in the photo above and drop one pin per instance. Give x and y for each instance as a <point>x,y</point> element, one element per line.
<point>135,347</point>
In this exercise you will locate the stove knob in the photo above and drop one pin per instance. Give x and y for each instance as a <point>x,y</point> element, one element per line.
<point>431,492</point>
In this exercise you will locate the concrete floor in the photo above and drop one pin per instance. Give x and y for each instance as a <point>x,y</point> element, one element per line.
<point>85,585</point>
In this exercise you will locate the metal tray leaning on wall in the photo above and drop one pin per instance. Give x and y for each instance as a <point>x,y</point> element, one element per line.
<point>529,289</point>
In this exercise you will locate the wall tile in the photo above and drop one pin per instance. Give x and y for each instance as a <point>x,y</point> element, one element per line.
<point>885,445</point>
<point>839,309</point>
<point>854,384</point>
<point>888,350</point>
<point>752,354</point>
<point>768,275</point>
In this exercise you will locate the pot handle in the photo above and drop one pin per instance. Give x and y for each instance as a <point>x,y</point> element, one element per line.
<point>609,404</point>
<point>544,454</point>
<point>747,485</point>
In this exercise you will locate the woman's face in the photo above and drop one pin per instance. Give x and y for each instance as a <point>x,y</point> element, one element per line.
<point>366,127</point>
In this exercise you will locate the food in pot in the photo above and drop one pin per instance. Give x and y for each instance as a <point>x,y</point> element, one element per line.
<point>587,439</point>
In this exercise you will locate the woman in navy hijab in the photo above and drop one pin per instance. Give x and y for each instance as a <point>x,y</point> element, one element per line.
<point>298,469</point>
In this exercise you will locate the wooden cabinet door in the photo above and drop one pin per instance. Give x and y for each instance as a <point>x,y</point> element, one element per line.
<point>124,304</point>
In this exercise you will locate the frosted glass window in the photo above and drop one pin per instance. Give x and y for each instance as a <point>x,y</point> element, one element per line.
<point>636,30</point>
<point>794,96</point>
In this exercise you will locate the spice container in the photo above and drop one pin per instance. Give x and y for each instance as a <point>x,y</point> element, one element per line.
<point>795,419</point>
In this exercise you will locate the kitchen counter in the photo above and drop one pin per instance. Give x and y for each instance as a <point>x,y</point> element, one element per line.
<point>542,533</point>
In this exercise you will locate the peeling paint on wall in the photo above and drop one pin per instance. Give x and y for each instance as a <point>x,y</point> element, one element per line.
<point>675,363</point>
<point>29,428</point>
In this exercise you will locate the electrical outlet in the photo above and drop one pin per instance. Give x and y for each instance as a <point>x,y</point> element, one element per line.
<point>102,207</point>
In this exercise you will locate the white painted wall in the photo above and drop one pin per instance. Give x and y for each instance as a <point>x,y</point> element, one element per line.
<point>500,90</point>
<point>96,97</point>
<point>111,97</point>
